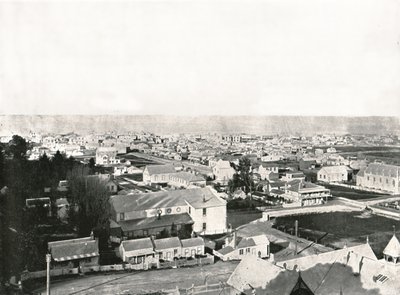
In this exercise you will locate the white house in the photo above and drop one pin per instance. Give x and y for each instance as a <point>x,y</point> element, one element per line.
<point>238,248</point>
<point>140,251</point>
<point>192,246</point>
<point>268,172</point>
<point>223,172</point>
<point>333,174</point>
<point>157,173</point>
<point>168,248</point>
<point>106,156</point>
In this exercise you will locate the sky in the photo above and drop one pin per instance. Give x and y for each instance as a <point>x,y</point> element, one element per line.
<point>220,57</point>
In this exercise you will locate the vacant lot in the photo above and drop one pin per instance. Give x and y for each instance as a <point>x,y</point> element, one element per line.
<point>239,217</point>
<point>345,192</point>
<point>339,228</point>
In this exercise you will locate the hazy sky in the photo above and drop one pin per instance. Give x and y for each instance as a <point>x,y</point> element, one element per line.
<point>272,57</point>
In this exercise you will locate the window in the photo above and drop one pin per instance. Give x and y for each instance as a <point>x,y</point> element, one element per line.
<point>204,211</point>
<point>380,179</point>
<point>241,252</point>
<point>394,183</point>
<point>367,177</point>
<point>122,216</point>
<point>248,250</point>
<point>175,252</point>
<point>204,226</point>
<point>387,181</point>
<point>374,179</point>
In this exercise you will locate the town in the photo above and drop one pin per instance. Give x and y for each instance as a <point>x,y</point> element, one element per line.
<point>146,213</point>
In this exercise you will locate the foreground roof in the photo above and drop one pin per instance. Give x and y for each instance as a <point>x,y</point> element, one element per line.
<point>393,247</point>
<point>353,270</point>
<point>163,199</point>
<point>73,249</point>
<point>139,244</point>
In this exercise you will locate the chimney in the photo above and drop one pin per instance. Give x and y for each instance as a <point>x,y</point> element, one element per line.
<point>92,235</point>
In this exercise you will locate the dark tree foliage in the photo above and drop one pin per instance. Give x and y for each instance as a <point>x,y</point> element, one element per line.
<point>18,147</point>
<point>90,199</point>
<point>23,241</point>
<point>243,178</point>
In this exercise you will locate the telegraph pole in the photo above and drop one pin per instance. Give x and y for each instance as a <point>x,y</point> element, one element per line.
<point>48,259</point>
<point>296,225</point>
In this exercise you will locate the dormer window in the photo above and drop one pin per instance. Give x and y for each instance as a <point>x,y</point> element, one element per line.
<point>122,216</point>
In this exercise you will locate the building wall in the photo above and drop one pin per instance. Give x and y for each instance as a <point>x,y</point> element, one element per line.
<point>192,251</point>
<point>215,220</point>
<point>378,182</point>
<point>324,176</point>
<point>258,251</point>
<point>170,253</point>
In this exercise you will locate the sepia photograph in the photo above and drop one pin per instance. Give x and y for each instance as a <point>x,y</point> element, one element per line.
<point>200,147</point>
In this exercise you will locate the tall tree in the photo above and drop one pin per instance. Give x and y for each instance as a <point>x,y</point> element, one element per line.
<point>18,147</point>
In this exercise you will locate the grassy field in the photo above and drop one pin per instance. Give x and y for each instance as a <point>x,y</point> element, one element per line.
<point>345,192</point>
<point>343,227</point>
<point>138,162</point>
<point>237,217</point>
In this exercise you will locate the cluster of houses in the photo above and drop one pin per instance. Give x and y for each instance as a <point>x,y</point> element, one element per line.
<point>351,270</point>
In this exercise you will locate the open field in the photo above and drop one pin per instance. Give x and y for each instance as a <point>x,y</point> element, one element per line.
<point>237,217</point>
<point>340,228</point>
<point>353,194</point>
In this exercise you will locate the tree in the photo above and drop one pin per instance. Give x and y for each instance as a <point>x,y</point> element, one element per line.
<point>2,167</point>
<point>18,147</point>
<point>91,197</point>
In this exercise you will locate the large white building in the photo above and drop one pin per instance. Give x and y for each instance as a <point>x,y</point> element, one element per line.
<point>334,174</point>
<point>141,215</point>
<point>106,156</point>
<point>223,172</point>
<point>380,177</point>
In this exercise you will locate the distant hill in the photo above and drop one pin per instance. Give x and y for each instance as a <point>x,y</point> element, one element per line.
<point>288,125</point>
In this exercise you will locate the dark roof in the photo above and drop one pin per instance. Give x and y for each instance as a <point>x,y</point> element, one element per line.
<point>73,249</point>
<point>155,222</point>
<point>226,250</point>
<point>167,243</point>
<point>301,288</point>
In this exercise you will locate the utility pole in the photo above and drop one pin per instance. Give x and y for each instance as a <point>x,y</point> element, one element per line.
<point>296,225</point>
<point>48,259</point>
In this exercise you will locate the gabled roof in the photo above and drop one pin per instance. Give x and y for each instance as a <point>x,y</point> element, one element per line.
<point>301,287</point>
<point>187,176</point>
<point>226,250</point>
<point>393,247</point>
<point>138,244</point>
<point>383,169</point>
<point>167,243</point>
<point>73,249</point>
<point>193,242</point>
<point>335,169</point>
<point>160,169</point>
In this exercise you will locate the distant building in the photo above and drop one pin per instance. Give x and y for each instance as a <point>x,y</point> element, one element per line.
<point>380,177</point>
<point>157,173</point>
<point>74,253</point>
<point>334,174</point>
<point>223,172</point>
<point>107,156</point>
<point>186,179</point>
<point>302,193</point>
